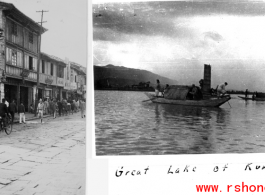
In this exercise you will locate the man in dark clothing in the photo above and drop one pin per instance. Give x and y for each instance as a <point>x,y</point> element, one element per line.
<point>3,111</point>
<point>60,107</point>
<point>246,93</point>
<point>12,109</point>
<point>21,112</point>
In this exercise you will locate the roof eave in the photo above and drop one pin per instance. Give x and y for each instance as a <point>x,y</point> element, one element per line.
<point>10,7</point>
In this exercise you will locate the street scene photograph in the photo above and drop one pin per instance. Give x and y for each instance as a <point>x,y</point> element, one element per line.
<point>43,67</point>
<point>179,77</point>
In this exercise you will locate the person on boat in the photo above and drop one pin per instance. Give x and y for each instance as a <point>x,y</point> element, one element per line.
<point>246,93</point>
<point>158,88</point>
<point>221,89</point>
<point>165,90</point>
<point>201,84</point>
<point>194,92</point>
<point>253,96</point>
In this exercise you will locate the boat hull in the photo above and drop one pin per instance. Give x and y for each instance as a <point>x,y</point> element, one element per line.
<point>255,99</point>
<point>244,98</point>
<point>260,99</point>
<point>214,102</point>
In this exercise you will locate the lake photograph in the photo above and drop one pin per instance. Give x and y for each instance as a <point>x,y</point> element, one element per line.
<point>179,77</point>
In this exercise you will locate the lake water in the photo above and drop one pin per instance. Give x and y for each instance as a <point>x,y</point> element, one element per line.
<point>124,125</point>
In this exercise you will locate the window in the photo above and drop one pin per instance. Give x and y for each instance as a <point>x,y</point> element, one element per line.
<point>31,37</point>
<point>75,78</point>
<point>67,72</point>
<point>19,58</point>
<point>51,68</point>
<point>14,58</point>
<point>43,66</point>
<point>14,28</point>
<point>30,63</point>
<point>60,72</point>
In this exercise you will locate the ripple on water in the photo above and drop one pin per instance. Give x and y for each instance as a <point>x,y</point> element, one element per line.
<point>127,126</point>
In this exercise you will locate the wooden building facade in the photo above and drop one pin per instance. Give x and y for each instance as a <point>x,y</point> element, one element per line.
<point>19,55</point>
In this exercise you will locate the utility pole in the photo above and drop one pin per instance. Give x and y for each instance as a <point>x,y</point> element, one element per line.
<point>38,65</point>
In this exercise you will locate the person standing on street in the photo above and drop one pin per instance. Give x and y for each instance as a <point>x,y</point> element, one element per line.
<point>3,111</point>
<point>77,105</point>
<point>40,109</point>
<point>53,108</point>
<point>49,108</point>
<point>82,108</point>
<point>12,109</point>
<point>7,103</point>
<point>72,106</point>
<point>84,104</point>
<point>64,106</point>
<point>21,112</point>
<point>60,107</point>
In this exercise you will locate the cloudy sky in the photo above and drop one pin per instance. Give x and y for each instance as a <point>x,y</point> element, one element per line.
<point>175,39</point>
<point>66,24</point>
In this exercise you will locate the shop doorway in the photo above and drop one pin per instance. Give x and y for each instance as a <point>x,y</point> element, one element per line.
<point>64,94</point>
<point>10,93</point>
<point>40,94</point>
<point>24,97</point>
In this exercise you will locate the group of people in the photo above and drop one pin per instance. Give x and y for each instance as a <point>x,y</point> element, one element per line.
<point>9,109</point>
<point>195,92</point>
<point>159,89</point>
<point>254,94</point>
<point>51,107</point>
<point>63,107</point>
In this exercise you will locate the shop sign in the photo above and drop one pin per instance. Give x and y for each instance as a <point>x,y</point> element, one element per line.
<point>67,85</point>
<point>81,79</point>
<point>73,86</point>
<point>49,80</point>
<point>60,81</point>
<point>25,73</point>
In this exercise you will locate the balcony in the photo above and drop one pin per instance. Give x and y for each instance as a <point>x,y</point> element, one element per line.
<point>13,71</point>
<point>16,72</point>
<point>47,79</point>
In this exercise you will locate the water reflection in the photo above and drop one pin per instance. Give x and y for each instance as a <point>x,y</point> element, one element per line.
<point>222,117</point>
<point>127,126</point>
<point>192,124</point>
<point>157,118</point>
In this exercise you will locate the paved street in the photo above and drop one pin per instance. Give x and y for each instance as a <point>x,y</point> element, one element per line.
<point>44,158</point>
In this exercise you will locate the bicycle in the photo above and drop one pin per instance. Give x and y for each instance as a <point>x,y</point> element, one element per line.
<point>9,124</point>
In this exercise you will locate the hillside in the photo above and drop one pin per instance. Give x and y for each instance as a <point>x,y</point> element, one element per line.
<point>122,77</point>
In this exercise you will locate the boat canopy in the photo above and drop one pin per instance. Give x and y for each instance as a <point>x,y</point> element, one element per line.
<point>177,92</point>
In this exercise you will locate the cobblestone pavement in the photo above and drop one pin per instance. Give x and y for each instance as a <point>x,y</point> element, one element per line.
<point>46,158</point>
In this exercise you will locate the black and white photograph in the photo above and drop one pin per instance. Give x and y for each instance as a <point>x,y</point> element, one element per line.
<point>43,68</point>
<point>178,97</point>
<point>179,77</point>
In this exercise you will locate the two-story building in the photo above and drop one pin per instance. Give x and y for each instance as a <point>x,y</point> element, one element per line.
<point>19,50</point>
<point>81,82</point>
<point>77,80</point>
<point>51,77</point>
<point>19,53</point>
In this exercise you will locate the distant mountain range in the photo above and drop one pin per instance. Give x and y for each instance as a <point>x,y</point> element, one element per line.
<point>122,77</point>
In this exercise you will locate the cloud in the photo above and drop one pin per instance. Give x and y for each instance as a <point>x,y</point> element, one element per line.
<point>159,18</point>
<point>175,39</point>
<point>213,36</point>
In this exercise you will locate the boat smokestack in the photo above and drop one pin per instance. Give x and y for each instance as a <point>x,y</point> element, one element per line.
<point>207,81</point>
